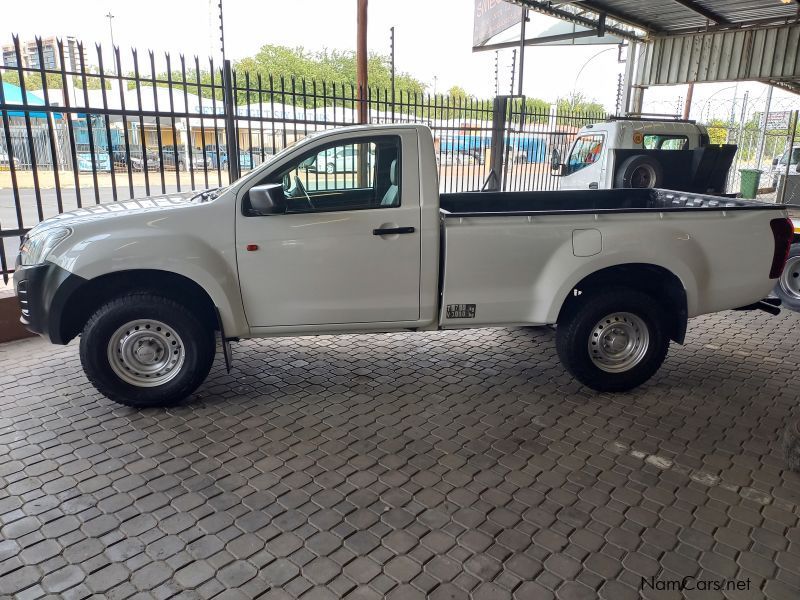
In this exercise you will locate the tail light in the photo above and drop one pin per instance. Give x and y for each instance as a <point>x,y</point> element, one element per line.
<point>782,232</point>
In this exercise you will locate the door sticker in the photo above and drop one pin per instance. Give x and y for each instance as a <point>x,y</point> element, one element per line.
<point>460,311</point>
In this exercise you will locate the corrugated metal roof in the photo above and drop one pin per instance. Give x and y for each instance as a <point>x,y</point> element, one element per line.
<point>669,16</point>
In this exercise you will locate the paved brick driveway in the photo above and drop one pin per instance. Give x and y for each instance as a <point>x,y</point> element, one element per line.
<point>451,463</point>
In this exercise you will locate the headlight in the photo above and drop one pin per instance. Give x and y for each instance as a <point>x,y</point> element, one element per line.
<point>36,247</point>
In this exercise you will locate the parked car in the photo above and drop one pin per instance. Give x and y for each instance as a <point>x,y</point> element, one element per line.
<point>147,283</point>
<point>644,153</point>
<point>778,167</point>
<point>136,158</point>
<point>6,162</point>
<point>199,162</point>
<point>219,159</point>
<point>215,158</point>
<point>102,161</point>
<point>335,160</point>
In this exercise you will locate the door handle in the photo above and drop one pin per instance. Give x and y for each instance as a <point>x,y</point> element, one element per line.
<point>593,185</point>
<point>393,230</point>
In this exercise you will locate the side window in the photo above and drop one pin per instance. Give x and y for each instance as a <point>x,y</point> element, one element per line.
<point>665,142</point>
<point>585,152</point>
<point>359,174</point>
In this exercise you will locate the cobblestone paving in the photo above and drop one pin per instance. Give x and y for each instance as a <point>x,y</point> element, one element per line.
<point>454,464</point>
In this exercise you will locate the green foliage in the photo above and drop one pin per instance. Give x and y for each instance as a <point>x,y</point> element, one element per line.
<point>288,66</point>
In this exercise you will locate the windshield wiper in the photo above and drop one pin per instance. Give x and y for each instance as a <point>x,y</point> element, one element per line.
<point>207,195</point>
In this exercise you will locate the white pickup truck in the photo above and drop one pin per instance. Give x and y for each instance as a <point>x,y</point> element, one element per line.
<point>288,250</point>
<point>644,153</point>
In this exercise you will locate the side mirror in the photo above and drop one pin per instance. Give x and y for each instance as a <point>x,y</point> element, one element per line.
<point>774,162</point>
<point>555,162</point>
<point>268,199</point>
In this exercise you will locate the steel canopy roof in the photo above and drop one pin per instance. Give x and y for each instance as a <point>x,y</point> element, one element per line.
<point>667,17</point>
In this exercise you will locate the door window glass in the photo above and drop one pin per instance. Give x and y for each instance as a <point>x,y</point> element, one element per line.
<point>665,142</point>
<point>585,152</point>
<point>359,174</point>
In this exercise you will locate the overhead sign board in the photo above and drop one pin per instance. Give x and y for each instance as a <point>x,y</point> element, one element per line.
<point>493,17</point>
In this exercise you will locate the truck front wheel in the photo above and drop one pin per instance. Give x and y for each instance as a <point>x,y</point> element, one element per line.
<point>146,350</point>
<point>614,340</point>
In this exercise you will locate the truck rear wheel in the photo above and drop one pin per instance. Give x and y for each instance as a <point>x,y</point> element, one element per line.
<point>788,286</point>
<point>639,171</point>
<point>146,350</point>
<point>614,340</point>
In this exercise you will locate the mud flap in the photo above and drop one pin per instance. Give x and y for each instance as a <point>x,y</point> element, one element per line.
<point>227,352</point>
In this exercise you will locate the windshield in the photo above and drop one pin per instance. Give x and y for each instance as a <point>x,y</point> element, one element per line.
<point>585,151</point>
<point>272,159</point>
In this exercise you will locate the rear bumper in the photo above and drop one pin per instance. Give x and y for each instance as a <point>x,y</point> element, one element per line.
<point>43,291</point>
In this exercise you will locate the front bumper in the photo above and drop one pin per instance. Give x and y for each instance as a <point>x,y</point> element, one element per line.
<point>43,291</point>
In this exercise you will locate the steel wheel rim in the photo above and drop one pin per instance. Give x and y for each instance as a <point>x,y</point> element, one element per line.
<point>790,278</point>
<point>643,176</point>
<point>146,353</point>
<point>618,342</point>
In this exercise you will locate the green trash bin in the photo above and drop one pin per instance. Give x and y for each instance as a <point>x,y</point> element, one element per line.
<point>749,185</point>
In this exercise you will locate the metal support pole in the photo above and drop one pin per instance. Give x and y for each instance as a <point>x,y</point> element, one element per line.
<point>762,136</point>
<point>361,62</point>
<point>494,181</point>
<point>231,137</point>
<point>513,70</point>
<point>391,40</point>
<point>522,49</point>
<point>782,198</point>
<point>688,106</point>
<point>630,63</point>
<point>221,33</point>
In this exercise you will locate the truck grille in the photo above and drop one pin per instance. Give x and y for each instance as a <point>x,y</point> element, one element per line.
<point>22,296</point>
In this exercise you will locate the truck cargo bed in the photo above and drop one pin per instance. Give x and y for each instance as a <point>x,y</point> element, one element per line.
<point>589,201</point>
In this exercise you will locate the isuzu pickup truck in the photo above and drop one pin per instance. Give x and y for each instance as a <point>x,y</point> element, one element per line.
<point>288,250</point>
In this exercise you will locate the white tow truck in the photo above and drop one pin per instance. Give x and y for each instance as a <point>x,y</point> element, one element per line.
<point>288,250</point>
<point>644,153</point>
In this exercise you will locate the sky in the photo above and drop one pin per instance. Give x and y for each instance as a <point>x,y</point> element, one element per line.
<point>433,43</point>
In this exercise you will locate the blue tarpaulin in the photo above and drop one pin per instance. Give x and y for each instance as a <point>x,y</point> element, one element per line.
<point>12,94</point>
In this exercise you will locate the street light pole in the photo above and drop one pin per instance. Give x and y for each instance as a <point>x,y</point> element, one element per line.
<point>109,16</point>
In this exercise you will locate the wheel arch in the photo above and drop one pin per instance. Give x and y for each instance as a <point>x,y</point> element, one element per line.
<point>656,281</point>
<point>85,300</point>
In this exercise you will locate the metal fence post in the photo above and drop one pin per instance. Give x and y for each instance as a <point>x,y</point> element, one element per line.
<point>231,136</point>
<point>793,123</point>
<point>494,181</point>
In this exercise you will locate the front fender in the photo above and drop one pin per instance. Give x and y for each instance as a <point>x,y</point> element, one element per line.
<point>146,248</point>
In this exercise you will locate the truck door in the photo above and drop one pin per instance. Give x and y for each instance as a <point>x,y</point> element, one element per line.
<point>585,165</point>
<point>347,249</point>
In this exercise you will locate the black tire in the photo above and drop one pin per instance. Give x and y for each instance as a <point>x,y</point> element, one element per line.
<point>639,171</point>
<point>791,445</point>
<point>198,341</point>
<point>577,328</point>
<point>788,286</point>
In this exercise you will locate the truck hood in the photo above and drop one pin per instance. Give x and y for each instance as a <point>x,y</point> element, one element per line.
<point>115,210</point>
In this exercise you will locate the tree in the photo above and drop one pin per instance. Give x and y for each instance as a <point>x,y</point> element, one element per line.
<point>332,72</point>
